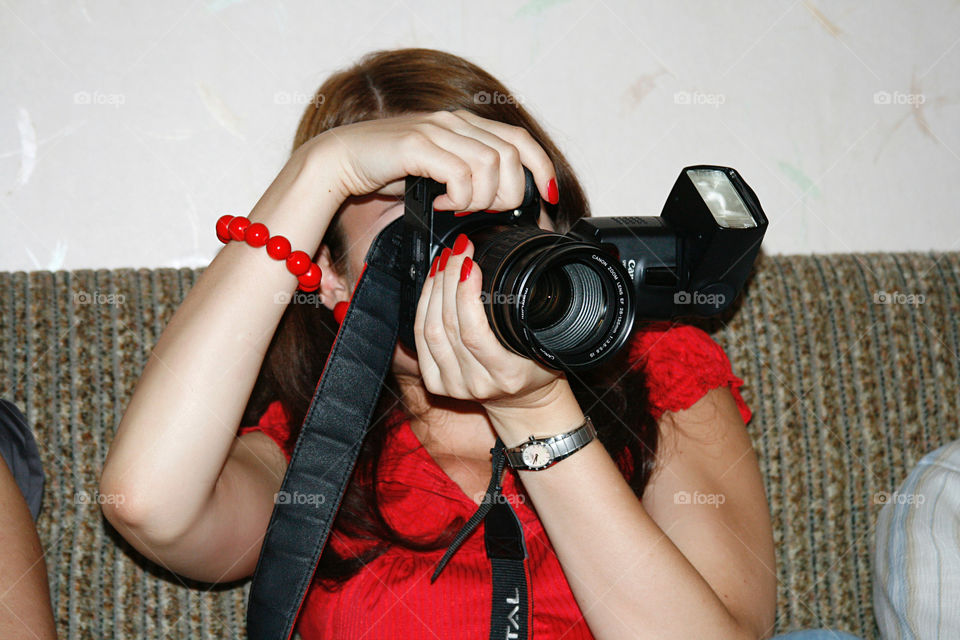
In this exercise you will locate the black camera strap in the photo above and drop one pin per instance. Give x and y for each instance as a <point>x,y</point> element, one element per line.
<point>503,539</point>
<point>326,450</point>
<point>326,453</point>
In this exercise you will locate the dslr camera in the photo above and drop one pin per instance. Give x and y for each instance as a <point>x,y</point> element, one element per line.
<point>570,301</point>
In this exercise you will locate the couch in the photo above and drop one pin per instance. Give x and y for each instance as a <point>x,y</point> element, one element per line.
<point>851,367</point>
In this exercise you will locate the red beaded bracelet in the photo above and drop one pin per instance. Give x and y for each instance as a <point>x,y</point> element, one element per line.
<point>256,235</point>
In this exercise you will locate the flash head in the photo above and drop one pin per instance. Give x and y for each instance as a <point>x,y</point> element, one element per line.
<point>721,197</point>
<point>694,258</point>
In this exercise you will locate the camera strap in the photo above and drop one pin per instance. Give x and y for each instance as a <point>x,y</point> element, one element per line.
<point>504,543</point>
<point>326,453</point>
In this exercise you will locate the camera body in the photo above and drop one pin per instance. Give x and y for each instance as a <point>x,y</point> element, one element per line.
<point>570,300</point>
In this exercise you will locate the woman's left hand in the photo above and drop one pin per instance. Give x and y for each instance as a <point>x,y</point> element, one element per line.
<point>458,353</point>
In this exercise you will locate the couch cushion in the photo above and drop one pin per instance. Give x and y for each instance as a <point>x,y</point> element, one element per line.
<point>851,367</point>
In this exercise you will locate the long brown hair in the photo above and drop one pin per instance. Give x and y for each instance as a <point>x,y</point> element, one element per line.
<point>391,83</point>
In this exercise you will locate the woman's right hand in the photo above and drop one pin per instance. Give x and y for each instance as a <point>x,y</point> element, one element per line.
<point>479,160</point>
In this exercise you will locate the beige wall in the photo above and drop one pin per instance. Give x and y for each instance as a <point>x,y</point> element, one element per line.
<point>126,129</point>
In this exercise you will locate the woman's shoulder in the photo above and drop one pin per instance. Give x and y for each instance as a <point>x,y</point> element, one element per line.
<point>682,363</point>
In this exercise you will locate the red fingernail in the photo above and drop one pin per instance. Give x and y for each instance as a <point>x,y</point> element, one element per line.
<point>460,244</point>
<point>553,194</point>
<point>433,267</point>
<point>466,268</point>
<point>460,214</point>
<point>444,256</point>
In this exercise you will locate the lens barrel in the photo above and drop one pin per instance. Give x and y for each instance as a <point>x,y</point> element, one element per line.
<point>561,301</point>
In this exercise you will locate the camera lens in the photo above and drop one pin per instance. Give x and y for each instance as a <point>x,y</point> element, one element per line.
<point>566,305</point>
<point>554,298</point>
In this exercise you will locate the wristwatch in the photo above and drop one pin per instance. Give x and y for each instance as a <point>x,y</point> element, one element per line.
<point>536,454</point>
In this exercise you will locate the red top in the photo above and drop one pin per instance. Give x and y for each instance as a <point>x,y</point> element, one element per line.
<point>392,597</point>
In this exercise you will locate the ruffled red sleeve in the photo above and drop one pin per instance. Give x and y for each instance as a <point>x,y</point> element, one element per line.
<point>275,423</point>
<point>682,363</point>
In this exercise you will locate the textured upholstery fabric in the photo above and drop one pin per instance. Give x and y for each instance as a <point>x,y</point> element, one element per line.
<point>847,395</point>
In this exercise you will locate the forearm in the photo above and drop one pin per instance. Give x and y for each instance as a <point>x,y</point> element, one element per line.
<point>175,435</point>
<point>627,576</point>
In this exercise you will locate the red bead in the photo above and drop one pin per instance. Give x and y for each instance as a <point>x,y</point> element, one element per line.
<point>310,278</point>
<point>223,235</point>
<point>278,248</point>
<point>340,310</point>
<point>257,234</point>
<point>309,289</point>
<point>237,227</point>
<point>298,262</point>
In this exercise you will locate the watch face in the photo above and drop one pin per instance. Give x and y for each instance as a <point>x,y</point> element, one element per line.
<point>536,455</point>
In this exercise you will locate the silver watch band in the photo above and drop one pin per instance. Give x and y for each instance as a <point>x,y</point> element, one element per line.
<point>560,446</point>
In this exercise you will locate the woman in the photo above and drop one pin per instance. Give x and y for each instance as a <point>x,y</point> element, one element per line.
<point>616,548</point>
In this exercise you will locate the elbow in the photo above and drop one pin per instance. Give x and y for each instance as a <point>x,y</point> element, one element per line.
<point>134,513</point>
<point>754,623</point>
<point>122,507</point>
<point>753,629</point>
<point>756,620</point>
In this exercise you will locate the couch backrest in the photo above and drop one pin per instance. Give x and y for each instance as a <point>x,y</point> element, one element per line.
<point>851,368</point>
